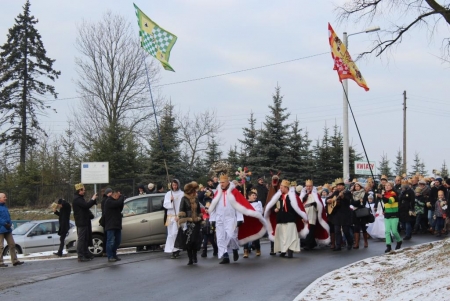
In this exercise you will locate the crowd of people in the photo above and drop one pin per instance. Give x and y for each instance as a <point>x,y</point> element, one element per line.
<point>229,215</point>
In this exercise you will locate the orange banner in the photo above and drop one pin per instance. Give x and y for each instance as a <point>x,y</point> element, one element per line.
<point>343,63</point>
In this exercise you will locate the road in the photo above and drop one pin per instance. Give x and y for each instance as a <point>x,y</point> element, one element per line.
<point>153,276</point>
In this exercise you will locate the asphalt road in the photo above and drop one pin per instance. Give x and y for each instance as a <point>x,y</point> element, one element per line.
<point>153,276</point>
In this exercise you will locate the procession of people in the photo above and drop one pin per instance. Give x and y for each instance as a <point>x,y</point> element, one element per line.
<point>231,214</point>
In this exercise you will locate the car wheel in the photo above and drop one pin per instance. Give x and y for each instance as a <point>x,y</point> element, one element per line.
<point>98,245</point>
<point>6,251</point>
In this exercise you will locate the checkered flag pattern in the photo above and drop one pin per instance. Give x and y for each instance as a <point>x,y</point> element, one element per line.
<point>159,39</point>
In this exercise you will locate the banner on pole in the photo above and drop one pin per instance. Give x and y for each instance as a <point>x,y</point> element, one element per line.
<point>363,168</point>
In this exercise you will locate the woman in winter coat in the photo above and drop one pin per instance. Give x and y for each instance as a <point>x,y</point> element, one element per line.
<point>190,213</point>
<point>359,200</point>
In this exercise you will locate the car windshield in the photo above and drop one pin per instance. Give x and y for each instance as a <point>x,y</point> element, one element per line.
<point>23,229</point>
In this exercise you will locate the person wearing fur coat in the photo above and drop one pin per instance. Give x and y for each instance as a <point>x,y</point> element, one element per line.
<point>235,220</point>
<point>286,220</point>
<point>190,218</point>
<point>319,230</point>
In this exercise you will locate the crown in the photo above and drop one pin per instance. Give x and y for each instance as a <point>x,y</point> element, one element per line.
<point>254,191</point>
<point>309,182</point>
<point>79,186</point>
<point>339,181</point>
<point>405,182</point>
<point>293,183</point>
<point>223,177</point>
<point>285,183</point>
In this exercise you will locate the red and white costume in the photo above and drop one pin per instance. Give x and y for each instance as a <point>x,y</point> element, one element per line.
<point>316,216</point>
<point>301,221</point>
<point>226,209</point>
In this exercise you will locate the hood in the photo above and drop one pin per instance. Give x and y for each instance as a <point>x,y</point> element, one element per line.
<point>178,182</point>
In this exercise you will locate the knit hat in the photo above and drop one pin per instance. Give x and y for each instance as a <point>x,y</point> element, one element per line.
<point>422,182</point>
<point>326,190</point>
<point>299,188</point>
<point>370,196</point>
<point>108,190</point>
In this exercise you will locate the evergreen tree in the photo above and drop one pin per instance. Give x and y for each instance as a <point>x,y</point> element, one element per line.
<point>417,166</point>
<point>444,170</point>
<point>336,154</point>
<point>233,157</point>
<point>117,146</point>
<point>213,152</point>
<point>23,62</point>
<point>398,169</point>
<point>170,151</point>
<point>322,158</point>
<point>249,143</point>
<point>272,141</point>
<point>70,158</point>
<point>384,168</point>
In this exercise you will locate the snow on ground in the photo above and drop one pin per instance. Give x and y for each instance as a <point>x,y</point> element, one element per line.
<point>416,273</point>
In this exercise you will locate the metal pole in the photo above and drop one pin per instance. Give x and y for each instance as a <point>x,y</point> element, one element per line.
<point>345,155</point>
<point>95,207</point>
<point>404,131</point>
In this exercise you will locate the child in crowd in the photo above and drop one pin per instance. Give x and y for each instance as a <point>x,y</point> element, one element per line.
<point>439,213</point>
<point>419,211</point>
<point>257,205</point>
<point>376,229</point>
<point>208,230</point>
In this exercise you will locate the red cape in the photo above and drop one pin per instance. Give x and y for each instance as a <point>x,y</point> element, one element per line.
<point>322,230</point>
<point>254,226</point>
<point>297,205</point>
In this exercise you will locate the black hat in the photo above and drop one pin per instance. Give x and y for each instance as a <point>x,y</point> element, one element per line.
<point>159,187</point>
<point>60,201</point>
<point>108,190</point>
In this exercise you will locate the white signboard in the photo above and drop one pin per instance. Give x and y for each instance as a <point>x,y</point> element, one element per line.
<point>362,167</point>
<point>94,172</point>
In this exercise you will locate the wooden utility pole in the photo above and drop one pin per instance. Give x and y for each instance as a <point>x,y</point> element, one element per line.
<point>404,131</point>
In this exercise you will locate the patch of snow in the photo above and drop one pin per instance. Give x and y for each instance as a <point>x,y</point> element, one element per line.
<point>415,273</point>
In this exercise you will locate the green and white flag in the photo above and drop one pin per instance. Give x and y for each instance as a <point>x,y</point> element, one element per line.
<point>155,40</point>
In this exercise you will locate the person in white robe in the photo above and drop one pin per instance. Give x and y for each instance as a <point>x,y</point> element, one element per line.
<point>172,201</point>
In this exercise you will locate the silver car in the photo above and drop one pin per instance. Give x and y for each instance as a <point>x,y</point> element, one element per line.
<point>142,225</point>
<point>36,236</point>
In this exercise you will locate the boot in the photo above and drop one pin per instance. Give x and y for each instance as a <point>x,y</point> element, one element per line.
<point>190,262</point>
<point>235,255</point>
<point>333,241</point>
<point>225,259</point>
<point>366,236</point>
<point>271,248</point>
<point>194,256</point>
<point>356,241</point>
<point>258,252</point>
<point>399,245</point>
<point>204,254</point>
<point>388,249</point>
<point>290,253</point>
<point>245,253</point>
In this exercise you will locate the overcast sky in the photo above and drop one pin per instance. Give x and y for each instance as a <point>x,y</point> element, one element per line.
<point>216,37</point>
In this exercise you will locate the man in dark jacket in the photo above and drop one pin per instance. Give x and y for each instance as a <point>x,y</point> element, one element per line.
<point>64,224</point>
<point>406,204</point>
<point>83,216</point>
<point>113,224</point>
<point>262,191</point>
<point>342,214</point>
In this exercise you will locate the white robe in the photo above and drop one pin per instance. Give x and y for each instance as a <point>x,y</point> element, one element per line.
<point>172,225</point>
<point>226,218</point>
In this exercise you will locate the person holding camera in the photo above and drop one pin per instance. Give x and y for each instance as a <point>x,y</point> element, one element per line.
<point>113,224</point>
<point>6,233</point>
<point>83,216</point>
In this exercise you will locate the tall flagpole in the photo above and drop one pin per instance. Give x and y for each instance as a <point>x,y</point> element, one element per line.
<point>156,121</point>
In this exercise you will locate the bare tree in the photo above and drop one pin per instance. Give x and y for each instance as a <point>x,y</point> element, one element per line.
<point>406,15</point>
<point>194,131</point>
<point>112,79</point>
